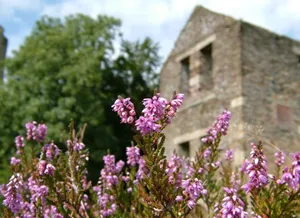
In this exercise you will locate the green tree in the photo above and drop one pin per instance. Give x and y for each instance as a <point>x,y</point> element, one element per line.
<point>69,69</point>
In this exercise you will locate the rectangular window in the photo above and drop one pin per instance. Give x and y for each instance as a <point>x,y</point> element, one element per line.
<point>184,149</point>
<point>206,67</point>
<point>185,75</point>
<point>206,54</point>
<point>284,116</point>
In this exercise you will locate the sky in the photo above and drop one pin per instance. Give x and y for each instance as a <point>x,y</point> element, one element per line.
<point>162,20</point>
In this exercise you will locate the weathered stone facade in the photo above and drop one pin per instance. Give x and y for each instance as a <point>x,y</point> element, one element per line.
<point>3,47</point>
<point>233,64</point>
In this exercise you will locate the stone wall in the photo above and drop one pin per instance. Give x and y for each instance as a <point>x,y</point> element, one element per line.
<point>221,89</point>
<point>271,87</point>
<point>255,74</point>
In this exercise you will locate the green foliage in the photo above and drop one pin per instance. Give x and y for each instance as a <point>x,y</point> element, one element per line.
<point>68,70</point>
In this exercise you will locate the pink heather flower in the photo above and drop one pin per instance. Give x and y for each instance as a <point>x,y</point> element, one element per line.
<point>78,146</point>
<point>173,106</point>
<point>207,152</point>
<point>235,182</point>
<point>45,168</point>
<point>52,212</point>
<point>107,204</point>
<point>232,205</point>
<point>14,161</point>
<point>191,204</point>
<point>13,193</point>
<point>147,125</point>
<point>244,165</point>
<point>296,167</point>
<point>75,145</point>
<point>19,141</point>
<point>31,130</point>
<point>125,110</point>
<point>256,169</point>
<point>142,170</point>
<point>119,166</point>
<point>38,192</point>
<point>49,170</point>
<point>220,127</point>
<point>37,133</point>
<point>291,176</point>
<point>51,150</point>
<point>109,174</point>
<point>41,132</point>
<point>173,170</point>
<point>288,178</point>
<point>154,107</point>
<point>177,101</point>
<point>280,158</point>
<point>179,198</point>
<point>192,190</point>
<point>126,178</point>
<point>133,155</point>
<point>229,155</point>
<point>216,164</point>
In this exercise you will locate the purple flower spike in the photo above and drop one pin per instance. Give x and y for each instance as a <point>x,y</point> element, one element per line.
<point>133,155</point>
<point>125,110</point>
<point>280,158</point>
<point>154,107</point>
<point>192,190</point>
<point>232,205</point>
<point>147,125</point>
<point>19,141</point>
<point>14,161</point>
<point>13,193</point>
<point>36,132</point>
<point>256,169</point>
<point>220,127</point>
<point>229,155</point>
<point>173,170</point>
<point>41,132</point>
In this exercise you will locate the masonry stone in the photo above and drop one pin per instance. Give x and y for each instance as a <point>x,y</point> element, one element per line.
<point>234,65</point>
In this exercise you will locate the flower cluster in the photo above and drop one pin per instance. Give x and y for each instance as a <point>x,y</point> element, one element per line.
<point>291,176</point>
<point>232,205</point>
<point>256,169</point>
<point>55,183</point>
<point>111,170</point>
<point>36,132</point>
<point>125,110</point>
<point>19,141</point>
<point>153,112</point>
<point>51,151</point>
<point>75,145</point>
<point>173,170</point>
<point>229,155</point>
<point>133,155</point>
<point>45,168</point>
<point>142,170</point>
<point>156,110</point>
<point>280,158</point>
<point>220,127</point>
<point>12,193</point>
<point>193,188</point>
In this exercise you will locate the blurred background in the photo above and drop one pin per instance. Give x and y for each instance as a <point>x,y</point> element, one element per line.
<point>69,60</point>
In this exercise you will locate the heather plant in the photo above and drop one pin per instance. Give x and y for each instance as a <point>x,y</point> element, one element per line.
<point>51,183</point>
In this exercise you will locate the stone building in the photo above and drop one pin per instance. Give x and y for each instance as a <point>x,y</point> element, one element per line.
<point>3,47</point>
<point>219,62</point>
